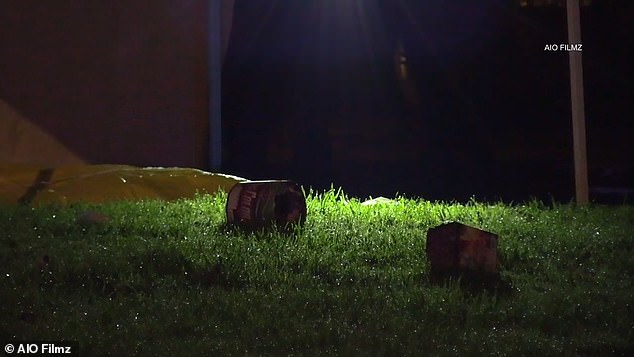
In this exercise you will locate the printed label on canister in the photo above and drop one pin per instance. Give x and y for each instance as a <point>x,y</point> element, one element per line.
<point>260,203</point>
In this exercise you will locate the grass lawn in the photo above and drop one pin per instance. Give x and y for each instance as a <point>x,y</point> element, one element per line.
<point>163,278</point>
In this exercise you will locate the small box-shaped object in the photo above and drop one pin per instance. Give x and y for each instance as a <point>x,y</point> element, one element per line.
<point>455,247</point>
<point>256,204</point>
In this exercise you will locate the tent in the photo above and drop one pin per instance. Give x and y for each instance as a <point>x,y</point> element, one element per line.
<point>115,82</point>
<point>35,168</point>
<point>21,141</point>
<point>108,83</point>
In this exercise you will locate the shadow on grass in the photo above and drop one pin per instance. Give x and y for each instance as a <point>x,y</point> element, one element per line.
<point>259,231</point>
<point>474,282</point>
<point>142,272</point>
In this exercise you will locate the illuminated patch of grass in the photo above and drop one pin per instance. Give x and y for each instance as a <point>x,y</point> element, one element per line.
<point>171,279</point>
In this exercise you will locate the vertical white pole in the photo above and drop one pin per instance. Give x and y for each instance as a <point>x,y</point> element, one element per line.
<point>576,98</point>
<point>214,84</point>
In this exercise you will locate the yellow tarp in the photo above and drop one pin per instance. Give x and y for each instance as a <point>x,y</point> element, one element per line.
<point>35,185</point>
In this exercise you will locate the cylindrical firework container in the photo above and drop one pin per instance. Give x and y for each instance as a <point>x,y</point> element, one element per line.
<point>257,204</point>
<point>455,246</point>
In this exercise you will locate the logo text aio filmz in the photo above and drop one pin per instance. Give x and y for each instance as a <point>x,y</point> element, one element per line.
<point>567,47</point>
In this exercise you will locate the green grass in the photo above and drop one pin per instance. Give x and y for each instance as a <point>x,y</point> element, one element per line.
<point>170,279</point>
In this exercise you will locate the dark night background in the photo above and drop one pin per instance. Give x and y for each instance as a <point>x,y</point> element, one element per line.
<point>439,99</point>
<point>312,92</point>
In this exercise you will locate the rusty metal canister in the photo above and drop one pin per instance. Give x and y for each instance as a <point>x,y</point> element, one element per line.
<point>455,246</point>
<point>257,204</point>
